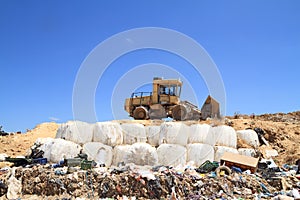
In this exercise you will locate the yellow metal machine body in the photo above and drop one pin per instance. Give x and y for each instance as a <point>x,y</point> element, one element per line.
<point>163,101</point>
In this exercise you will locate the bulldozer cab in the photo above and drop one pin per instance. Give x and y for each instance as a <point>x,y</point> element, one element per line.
<point>173,90</point>
<point>166,91</point>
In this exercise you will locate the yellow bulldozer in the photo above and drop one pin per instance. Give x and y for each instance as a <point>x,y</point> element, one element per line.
<point>164,101</point>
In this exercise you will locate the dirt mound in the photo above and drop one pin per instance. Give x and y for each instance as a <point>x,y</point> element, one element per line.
<point>282,131</point>
<point>17,144</point>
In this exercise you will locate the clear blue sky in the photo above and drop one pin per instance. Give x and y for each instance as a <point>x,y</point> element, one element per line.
<point>255,45</point>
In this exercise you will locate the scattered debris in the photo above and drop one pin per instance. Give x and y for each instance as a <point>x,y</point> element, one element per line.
<point>243,162</point>
<point>2,132</point>
<point>208,166</point>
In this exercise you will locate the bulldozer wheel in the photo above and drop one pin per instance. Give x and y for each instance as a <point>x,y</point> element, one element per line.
<point>140,113</point>
<point>179,112</point>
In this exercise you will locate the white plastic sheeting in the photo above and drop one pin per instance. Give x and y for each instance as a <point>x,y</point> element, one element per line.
<point>171,154</point>
<point>152,133</point>
<point>199,153</point>
<point>120,154</point>
<point>133,133</point>
<point>224,136</point>
<point>199,133</point>
<point>98,152</point>
<point>63,149</point>
<point>271,162</point>
<point>269,153</point>
<point>76,131</point>
<point>142,154</point>
<point>249,136</point>
<point>174,133</point>
<point>247,152</point>
<point>109,133</point>
<point>220,150</point>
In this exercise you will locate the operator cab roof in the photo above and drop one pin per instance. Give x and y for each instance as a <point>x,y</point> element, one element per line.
<point>167,81</point>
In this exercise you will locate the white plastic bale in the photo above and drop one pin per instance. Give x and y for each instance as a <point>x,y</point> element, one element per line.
<point>171,154</point>
<point>199,133</point>
<point>199,153</point>
<point>247,152</point>
<point>133,133</point>
<point>152,133</point>
<point>120,154</point>
<point>142,154</point>
<point>63,149</point>
<point>76,131</point>
<point>249,136</point>
<point>174,133</point>
<point>220,150</point>
<point>98,152</point>
<point>224,136</point>
<point>46,146</point>
<point>61,131</point>
<point>109,133</point>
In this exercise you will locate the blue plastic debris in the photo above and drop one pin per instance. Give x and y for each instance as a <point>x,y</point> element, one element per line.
<point>59,164</point>
<point>236,169</point>
<point>265,189</point>
<point>41,161</point>
<point>212,175</point>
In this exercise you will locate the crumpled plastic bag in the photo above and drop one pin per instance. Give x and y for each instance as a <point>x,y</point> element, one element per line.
<point>14,188</point>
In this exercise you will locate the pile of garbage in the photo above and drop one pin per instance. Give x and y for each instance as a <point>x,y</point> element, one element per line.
<point>148,182</point>
<point>166,161</point>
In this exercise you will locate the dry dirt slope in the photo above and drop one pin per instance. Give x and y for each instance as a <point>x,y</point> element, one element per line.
<point>282,132</point>
<point>17,144</point>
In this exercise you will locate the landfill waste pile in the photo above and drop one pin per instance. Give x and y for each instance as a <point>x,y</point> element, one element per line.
<point>244,157</point>
<point>142,182</point>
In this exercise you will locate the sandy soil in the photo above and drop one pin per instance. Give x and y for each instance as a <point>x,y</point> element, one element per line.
<point>282,131</point>
<point>17,144</point>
